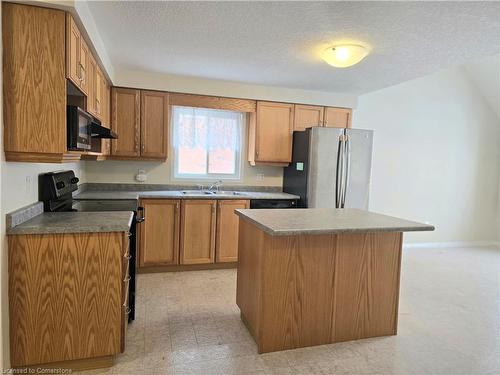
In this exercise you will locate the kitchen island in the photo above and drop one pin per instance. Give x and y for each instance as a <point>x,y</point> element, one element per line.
<point>318,276</point>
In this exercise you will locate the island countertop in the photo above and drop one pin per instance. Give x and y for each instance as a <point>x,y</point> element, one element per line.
<point>289,222</point>
<point>75,222</point>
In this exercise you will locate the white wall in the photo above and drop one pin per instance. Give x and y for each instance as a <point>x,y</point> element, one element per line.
<point>435,156</point>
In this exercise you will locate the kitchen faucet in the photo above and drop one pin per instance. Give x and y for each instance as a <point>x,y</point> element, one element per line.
<point>215,185</point>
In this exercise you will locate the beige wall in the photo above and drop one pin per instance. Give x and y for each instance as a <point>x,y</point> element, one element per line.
<point>205,86</point>
<point>435,156</point>
<point>162,172</point>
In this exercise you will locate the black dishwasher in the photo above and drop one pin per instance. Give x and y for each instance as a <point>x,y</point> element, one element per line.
<point>273,203</point>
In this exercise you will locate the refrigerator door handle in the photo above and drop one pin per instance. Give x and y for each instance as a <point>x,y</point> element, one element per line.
<point>340,172</point>
<point>347,159</point>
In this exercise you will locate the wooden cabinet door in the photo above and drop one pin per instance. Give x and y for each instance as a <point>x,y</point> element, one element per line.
<point>226,242</point>
<point>72,51</point>
<point>99,88</point>
<point>338,117</point>
<point>274,128</point>
<point>154,124</point>
<point>91,83</point>
<point>84,62</point>
<point>125,121</point>
<point>159,233</point>
<point>106,115</point>
<point>307,116</point>
<point>197,231</point>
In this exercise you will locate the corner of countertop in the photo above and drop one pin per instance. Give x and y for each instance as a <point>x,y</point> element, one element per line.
<point>23,214</point>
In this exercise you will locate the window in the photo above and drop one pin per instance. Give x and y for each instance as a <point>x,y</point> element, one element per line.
<point>207,143</point>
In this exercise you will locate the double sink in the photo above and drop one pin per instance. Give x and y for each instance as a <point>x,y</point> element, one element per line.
<point>212,193</point>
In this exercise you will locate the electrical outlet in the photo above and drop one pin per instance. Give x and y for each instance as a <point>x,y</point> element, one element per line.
<point>28,181</point>
<point>260,177</point>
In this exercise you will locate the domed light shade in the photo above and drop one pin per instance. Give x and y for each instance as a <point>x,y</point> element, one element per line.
<point>344,55</point>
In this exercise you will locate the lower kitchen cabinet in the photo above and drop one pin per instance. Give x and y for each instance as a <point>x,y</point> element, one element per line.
<point>227,230</point>
<point>188,232</point>
<point>159,233</point>
<point>197,243</point>
<point>67,298</point>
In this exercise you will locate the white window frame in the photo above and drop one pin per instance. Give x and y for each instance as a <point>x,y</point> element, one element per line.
<point>237,176</point>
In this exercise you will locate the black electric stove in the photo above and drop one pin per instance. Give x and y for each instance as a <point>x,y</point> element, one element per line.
<point>56,192</point>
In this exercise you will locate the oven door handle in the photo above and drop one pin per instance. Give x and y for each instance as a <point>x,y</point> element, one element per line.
<point>142,218</point>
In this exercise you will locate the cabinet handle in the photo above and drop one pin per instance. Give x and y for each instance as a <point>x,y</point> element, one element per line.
<point>127,309</point>
<point>127,279</point>
<point>128,257</point>
<point>213,208</point>
<point>177,206</point>
<point>82,72</point>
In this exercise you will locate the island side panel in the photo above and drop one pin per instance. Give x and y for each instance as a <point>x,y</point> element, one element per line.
<point>65,296</point>
<point>367,285</point>
<point>296,291</point>
<point>248,286</point>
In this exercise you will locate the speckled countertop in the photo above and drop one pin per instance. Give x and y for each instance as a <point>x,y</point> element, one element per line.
<point>75,222</point>
<point>286,222</point>
<point>177,194</point>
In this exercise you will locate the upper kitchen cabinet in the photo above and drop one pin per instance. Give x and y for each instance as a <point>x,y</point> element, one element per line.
<point>77,56</point>
<point>307,116</point>
<point>154,124</point>
<point>273,132</point>
<point>34,84</point>
<point>338,117</point>
<point>92,86</point>
<point>141,120</point>
<point>46,65</point>
<point>125,121</point>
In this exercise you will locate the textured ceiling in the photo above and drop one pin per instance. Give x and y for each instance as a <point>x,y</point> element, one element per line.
<point>277,43</point>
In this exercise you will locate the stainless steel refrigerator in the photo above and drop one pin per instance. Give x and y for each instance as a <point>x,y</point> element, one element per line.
<point>331,168</point>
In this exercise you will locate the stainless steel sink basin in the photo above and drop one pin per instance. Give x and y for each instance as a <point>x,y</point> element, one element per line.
<point>209,192</point>
<point>197,192</point>
<point>228,193</point>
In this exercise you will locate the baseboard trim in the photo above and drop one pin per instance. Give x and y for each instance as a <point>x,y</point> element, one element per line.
<point>440,245</point>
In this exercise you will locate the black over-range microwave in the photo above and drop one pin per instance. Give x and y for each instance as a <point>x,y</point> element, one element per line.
<point>82,127</point>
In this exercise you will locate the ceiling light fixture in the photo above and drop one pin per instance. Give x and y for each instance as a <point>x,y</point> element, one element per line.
<point>344,55</point>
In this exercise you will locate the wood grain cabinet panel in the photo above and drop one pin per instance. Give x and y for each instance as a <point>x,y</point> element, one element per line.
<point>84,62</point>
<point>197,244</point>
<point>73,38</point>
<point>226,244</point>
<point>92,86</point>
<point>338,117</point>
<point>125,121</point>
<point>159,233</point>
<point>154,124</point>
<point>65,296</point>
<point>366,285</point>
<point>307,116</point>
<point>77,56</point>
<point>34,82</point>
<point>274,128</point>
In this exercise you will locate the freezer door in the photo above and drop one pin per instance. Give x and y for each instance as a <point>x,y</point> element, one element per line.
<point>357,191</point>
<point>323,149</point>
